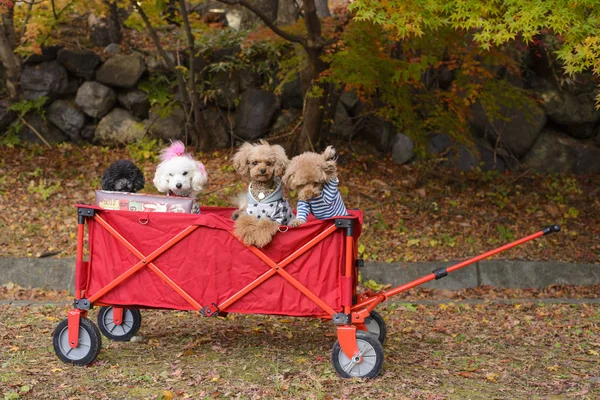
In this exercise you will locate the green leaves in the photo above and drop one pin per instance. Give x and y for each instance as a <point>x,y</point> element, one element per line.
<point>402,18</point>
<point>157,88</point>
<point>505,234</point>
<point>145,149</point>
<point>25,106</point>
<point>494,23</point>
<point>43,188</point>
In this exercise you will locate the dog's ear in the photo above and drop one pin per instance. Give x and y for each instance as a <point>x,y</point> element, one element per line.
<point>329,166</point>
<point>160,179</point>
<point>138,181</point>
<point>106,182</point>
<point>329,154</point>
<point>240,159</point>
<point>288,179</point>
<point>330,169</point>
<point>200,177</point>
<point>281,159</point>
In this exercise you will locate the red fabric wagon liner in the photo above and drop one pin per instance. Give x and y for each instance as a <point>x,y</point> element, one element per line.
<point>211,265</point>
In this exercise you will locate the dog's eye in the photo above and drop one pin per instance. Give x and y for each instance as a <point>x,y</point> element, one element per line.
<point>185,173</point>
<point>269,163</point>
<point>254,162</point>
<point>170,174</point>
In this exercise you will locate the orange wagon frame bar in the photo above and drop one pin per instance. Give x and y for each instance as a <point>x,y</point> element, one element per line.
<point>82,304</point>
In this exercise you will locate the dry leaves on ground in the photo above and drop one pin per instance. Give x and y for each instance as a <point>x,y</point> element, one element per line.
<point>420,212</point>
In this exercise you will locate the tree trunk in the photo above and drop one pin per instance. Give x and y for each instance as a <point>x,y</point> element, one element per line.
<point>314,107</point>
<point>11,62</point>
<point>8,25</point>
<point>200,136</point>
<point>333,98</point>
<point>313,117</point>
<point>114,26</point>
<point>322,9</point>
<point>313,44</point>
<point>287,12</point>
<point>267,7</point>
<point>309,138</point>
<point>105,30</point>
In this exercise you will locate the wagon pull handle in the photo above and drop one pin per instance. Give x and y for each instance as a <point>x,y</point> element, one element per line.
<point>442,272</point>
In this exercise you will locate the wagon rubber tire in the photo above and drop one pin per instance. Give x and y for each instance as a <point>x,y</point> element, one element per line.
<point>90,342</point>
<point>376,326</point>
<point>372,358</point>
<point>132,320</point>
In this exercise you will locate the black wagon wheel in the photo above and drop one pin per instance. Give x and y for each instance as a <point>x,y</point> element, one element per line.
<point>376,326</point>
<point>367,364</point>
<point>132,320</point>
<point>87,348</point>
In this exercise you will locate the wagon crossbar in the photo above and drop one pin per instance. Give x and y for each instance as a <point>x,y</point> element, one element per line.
<point>278,268</point>
<point>145,261</point>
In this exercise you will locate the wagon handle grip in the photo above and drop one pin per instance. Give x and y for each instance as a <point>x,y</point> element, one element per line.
<point>551,229</point>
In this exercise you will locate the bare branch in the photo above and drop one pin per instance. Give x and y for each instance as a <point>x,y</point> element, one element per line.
<point>190,38</point>
<point>313,23</point>
<point>153,35</point>
<point>322,9</point>
<point>39,135</point>
<point>55,22</point>
<point>53,9</point>
<point>161,50</point>
<point>27,16</point>
<point>12,65</point>
<point>7,26</point>
<point>263,17</point>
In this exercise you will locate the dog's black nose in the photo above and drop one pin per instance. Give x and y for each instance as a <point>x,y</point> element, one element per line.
<point>179,185</point>
<point>262,171</point>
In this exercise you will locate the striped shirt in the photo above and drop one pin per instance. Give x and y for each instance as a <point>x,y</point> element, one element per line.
<point>328,204</point>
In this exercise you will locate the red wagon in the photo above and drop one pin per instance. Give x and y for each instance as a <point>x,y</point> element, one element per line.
<point>142,260</point>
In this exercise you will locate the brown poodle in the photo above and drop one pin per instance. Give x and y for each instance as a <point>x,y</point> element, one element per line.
<point>314,177</point>
<point>264,208</point>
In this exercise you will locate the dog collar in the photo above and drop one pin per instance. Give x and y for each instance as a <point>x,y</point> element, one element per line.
<point>264,192</point>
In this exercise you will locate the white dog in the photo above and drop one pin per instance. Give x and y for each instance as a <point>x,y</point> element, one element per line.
<point>179,174</point>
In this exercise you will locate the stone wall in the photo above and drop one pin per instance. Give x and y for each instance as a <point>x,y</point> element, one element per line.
<point>98,99</point>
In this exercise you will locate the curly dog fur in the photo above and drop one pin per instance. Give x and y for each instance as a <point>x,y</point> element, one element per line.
<point>314,178</point>
<point>179,174</point>
<point>263,209</point>
<point>122,176</point>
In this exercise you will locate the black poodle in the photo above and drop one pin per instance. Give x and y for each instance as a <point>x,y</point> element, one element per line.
<point>122,176</point>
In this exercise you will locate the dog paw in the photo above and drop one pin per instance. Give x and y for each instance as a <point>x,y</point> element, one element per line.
<point>261,242</point>
<point>296,222</point>
<point>252,239</point>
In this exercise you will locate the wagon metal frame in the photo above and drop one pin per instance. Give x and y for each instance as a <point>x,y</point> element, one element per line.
<point>358,351</point>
